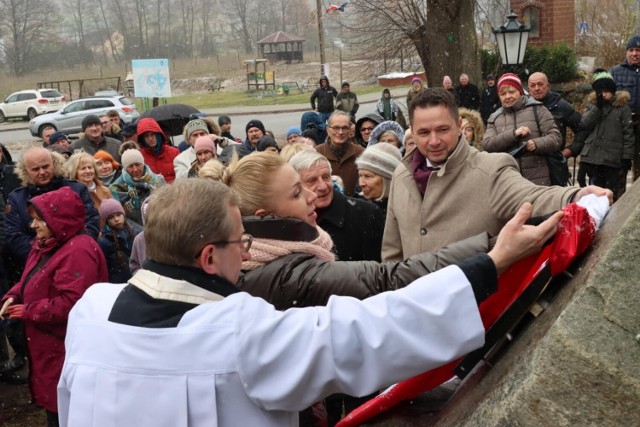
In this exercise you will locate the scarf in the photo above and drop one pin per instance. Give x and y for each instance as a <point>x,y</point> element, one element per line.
<point>339,150</point>
<point>386,108</point>
<point>108,179</point>
<point>421,171</point>
<point>263,251</point>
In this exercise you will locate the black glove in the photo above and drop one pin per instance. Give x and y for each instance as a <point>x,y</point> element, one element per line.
<point>601,102</point>
<point>626,164</point>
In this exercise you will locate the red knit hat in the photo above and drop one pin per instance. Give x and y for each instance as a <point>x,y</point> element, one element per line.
<point>511,80</point>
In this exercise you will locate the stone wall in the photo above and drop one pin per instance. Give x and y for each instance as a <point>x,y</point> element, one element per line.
<point>578,363</point>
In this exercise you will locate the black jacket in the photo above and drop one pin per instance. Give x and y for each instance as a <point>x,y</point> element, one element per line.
<point>324,96</point>
<point>468,96</point>
<point>489,102</point>
<point>566,117</point>
<point>356,227</point>
<point>302,280</point>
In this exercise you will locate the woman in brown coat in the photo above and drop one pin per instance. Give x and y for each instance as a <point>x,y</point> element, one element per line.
<point>524,128</point>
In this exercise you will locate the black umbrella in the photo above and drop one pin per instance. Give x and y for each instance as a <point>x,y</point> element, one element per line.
<point>171,117</point>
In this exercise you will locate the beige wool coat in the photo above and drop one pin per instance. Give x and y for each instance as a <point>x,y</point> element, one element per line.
<point>473,192</point>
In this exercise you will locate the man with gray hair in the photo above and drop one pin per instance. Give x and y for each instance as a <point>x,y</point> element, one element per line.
<point>180,345</point>
<point>355,225</point>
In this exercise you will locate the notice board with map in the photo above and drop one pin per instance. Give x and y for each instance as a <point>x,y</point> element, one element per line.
<point>151,78</point>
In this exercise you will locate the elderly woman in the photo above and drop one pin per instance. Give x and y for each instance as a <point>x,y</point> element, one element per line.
<point>62,264</point>
<point>389,132</point>
<point>375,169</point>
<point>135,184</point>
<point>82,167</point>
<point>108,169</point>
<point>472,127</point>
<point>524,128</point>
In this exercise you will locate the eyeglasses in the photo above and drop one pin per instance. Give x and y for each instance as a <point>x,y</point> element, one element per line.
<point>339,129</point>
<point>105,123</point>
<point>246,241</point>
<point>366,129</point>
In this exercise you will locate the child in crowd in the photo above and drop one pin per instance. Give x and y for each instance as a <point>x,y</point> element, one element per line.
<point>608,150</point>
<point>116,240</point>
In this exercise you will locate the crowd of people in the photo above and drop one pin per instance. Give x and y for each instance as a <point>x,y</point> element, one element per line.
<point>214,239</point>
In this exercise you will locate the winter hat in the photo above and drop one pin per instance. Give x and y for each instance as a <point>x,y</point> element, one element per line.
<point>130,157</point>
<point>293,130</point>
<point>416,80</point>
<point>382,128</point>
<point>255,124</point>
<point>511,80</point>
<point>447,80</point>
<point>266,142</point>
<point>129,129</point>
<point>603,81</point>
<point>91,119</point>
<point>57,136</point>
<point>223,119</point>
<point>490,77</point>
<point>380,159</point>
<point>345,84</point>
<point>633,42</point>
<point>106,157</point>
<point>204,143</point>
<point>110,207</point>
<point>194,125</point>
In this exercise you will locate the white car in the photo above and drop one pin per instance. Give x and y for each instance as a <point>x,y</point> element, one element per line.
<point>69,119</point>
<point>27,104</point>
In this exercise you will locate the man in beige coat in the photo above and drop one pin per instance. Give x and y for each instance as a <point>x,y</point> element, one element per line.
<point>446,190</point>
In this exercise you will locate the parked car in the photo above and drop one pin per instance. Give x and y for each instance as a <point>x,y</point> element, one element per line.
<point>69,119</point>
<point>29,103</point>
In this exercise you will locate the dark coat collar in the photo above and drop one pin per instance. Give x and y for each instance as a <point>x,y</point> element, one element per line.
<point>195,276</point>
<point>336,211</point>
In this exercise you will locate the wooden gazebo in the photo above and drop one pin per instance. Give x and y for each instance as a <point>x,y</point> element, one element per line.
<point>281,46</point>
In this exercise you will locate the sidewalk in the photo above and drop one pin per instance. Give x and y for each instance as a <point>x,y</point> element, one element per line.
<point>398,93</point>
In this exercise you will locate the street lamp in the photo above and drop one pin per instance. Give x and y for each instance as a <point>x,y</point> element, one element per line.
<point>512,38</point>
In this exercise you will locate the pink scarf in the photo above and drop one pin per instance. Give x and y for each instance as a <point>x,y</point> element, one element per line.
<point>263,251</point>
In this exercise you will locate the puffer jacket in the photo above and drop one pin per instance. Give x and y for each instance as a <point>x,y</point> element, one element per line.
<point>302,280</point>
<point>627,78</point>
<point>159,158</point>
<point>500,137</point>
<point>64,265</point>
<point>611,139</point>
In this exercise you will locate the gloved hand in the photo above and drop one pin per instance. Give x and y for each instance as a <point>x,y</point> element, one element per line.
<point>16,311</point>
<point>600,101</point>
<point>626,164</point>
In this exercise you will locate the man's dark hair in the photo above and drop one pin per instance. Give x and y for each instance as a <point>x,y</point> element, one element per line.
<point>433,97</point>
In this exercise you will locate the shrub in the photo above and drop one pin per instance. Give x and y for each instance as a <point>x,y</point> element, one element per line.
<point>558,62</point>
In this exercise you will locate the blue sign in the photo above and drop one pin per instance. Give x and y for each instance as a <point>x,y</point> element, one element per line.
<point>151,78</point>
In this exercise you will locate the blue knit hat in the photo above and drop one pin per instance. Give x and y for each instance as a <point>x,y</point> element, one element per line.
<point>293,130</point>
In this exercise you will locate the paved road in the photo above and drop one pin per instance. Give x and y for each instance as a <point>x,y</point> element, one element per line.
<point>277,118</point>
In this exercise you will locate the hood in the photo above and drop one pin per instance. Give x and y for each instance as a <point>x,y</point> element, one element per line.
<point>6,156</point>
<point>474,118</point>
<point>149,125</point>
<point>312,118</point>
<point>279,228</point>
<point>376,118</point>
<point>382,128</point>
<point>620,98</point>
<point>325,78</point>
<point>63,212</point>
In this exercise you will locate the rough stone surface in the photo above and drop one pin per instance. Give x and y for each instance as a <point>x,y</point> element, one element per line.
<point>578,363</point>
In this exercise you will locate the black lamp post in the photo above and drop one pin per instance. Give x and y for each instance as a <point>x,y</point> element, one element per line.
<point>512,38</point>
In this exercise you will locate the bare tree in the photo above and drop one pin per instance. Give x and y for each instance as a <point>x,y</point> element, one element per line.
<point>442,32</point>
<point>605,35</point>
<point>239,11</point>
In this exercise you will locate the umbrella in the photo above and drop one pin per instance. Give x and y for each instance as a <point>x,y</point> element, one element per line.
<point>171,117</point>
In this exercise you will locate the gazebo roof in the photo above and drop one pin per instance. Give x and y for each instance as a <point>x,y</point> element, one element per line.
<point>280,37</point>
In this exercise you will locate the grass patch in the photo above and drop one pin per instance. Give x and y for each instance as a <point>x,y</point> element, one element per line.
<point>205,101</point>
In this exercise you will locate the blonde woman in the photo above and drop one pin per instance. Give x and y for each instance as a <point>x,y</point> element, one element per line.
<point>83,168</point>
